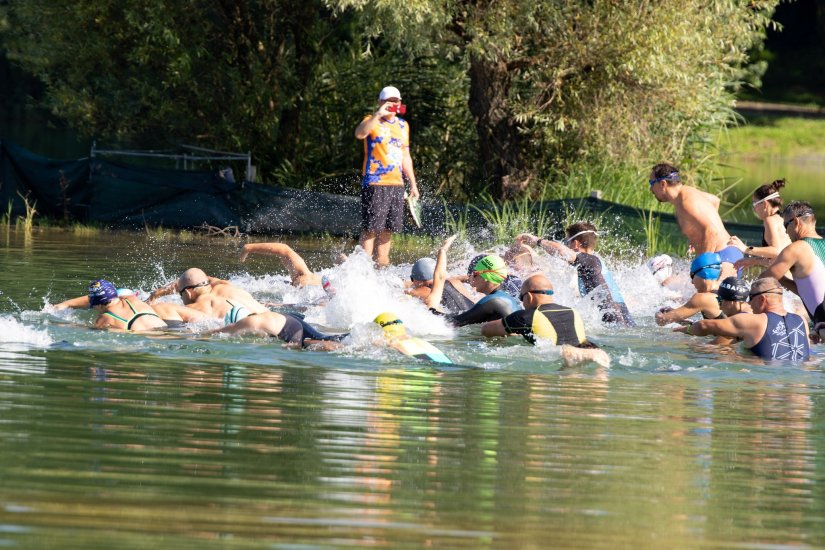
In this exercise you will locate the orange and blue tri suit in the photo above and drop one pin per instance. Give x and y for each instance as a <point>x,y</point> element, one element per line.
<point>383,150</point>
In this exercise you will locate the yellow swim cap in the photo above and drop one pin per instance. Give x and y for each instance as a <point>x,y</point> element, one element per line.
<point>391,324</point>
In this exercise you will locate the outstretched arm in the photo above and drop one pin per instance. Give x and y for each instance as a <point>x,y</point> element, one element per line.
<point>292,260</point>
<point>549,246</point>
<point>81,302</point>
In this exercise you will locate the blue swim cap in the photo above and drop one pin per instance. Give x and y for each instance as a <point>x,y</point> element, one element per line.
<point>101,292</point>
<point>423,270</point>
<point>706,266</point>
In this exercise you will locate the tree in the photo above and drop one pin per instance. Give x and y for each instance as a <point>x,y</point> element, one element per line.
<point>556,81</point>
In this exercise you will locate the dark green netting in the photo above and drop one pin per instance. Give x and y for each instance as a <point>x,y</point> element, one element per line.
<point>130,196</point>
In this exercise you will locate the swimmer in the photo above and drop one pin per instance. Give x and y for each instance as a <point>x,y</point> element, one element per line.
<point>804,258</point>
<point>289,328</point>
<point>486,277</point>
<point>542,319</point>
<point>704,272</point>
<point>395,334</point>
<point>212,297</point>
<point>767,205</point>
<point>732,296</point>
<point>593,275</point>
<point>770,332</point>
<point>697,213</point>
<point>661,267</point>
<point>421,286</point>
<point>172,314</point>
<point>124,313</point>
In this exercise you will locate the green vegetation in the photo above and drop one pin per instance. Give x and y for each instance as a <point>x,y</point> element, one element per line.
<point>766,136</point>
<point>513,98</point>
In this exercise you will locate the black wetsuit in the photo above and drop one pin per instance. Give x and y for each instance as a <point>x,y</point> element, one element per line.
<point>594,275</point>
<point>298,331</point>
<point>496,305</point>
<point>453,300</point>
<point>556,323</point>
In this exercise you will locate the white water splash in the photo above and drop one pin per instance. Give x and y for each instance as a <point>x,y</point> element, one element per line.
<point>14,335</point>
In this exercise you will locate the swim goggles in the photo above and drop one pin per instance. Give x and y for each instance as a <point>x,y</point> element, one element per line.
<point>769,197</point>
<point>753,295</point>
<point>569,240</point>
<point>711,266</point>
<point>673,176</point>
<point>393,322</point>
<point>190,287</point>
<point>525,293</point>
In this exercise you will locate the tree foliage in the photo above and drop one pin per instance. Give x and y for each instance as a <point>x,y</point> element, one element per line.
<point>528,87</point>
<point>556,81</point>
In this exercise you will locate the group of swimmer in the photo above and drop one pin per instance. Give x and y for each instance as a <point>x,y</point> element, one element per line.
<point>494,295</point>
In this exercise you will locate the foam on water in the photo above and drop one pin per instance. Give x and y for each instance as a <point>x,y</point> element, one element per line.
<point>14,335</point>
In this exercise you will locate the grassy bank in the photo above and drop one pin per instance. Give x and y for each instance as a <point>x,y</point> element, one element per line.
<point>784,136</point>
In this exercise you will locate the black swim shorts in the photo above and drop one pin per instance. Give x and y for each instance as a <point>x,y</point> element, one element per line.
<point>382,208</point>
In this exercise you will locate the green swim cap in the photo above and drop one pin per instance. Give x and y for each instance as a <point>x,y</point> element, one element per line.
<point>491,268</point>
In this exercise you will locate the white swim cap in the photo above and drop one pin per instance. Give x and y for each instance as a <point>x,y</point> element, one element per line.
<point>661,267</point>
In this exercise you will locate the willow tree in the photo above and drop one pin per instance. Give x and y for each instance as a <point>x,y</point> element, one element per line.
<point>556,81</point>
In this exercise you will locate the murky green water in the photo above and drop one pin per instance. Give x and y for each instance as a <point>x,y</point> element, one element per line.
<point>130,441</point>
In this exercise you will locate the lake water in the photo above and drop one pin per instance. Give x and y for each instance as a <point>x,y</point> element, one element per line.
<point>130,441</point>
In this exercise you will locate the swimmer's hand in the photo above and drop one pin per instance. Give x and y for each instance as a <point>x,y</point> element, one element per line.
<point>165,290</point>
<point>665,309</point>
<point>526,238</point>
<point>745,263</point>
<point>737,242</point>
<point>447,243</point>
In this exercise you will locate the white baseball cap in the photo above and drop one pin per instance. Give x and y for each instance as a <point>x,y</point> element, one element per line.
<point>388,92</point>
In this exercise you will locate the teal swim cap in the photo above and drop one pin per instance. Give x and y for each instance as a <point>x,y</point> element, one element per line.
<point>235,314</point>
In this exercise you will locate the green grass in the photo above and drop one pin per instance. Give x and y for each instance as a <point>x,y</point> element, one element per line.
<point>782,136</point>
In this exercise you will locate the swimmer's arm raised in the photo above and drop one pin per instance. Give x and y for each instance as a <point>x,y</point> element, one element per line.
<point>433,301</point>
<point>549,246</point>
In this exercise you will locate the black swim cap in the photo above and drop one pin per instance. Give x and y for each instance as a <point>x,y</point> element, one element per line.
<point>733,289</point>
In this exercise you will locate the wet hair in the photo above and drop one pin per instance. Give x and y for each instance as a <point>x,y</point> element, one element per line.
<point>666,171</point>
<point>769,189</point>
<point>587,240</point>
<point>799,209</point>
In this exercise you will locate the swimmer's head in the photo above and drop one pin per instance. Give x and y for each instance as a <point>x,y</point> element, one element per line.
<point>423,270</point>
<point>706,266</point>
<point>663,177</point>
<point>661,267</point>
<point>392,325</point>
<point>583,233</point>
<point>101,292</point>
<point>733,289</point>
<point>491,268</point>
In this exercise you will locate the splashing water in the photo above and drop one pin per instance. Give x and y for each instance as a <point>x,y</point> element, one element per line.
<point>16,335</point>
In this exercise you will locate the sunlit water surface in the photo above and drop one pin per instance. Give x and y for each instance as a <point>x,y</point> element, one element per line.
<point>178,440</point>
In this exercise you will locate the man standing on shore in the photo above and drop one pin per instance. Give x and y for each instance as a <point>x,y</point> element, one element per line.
<point>386,159</point>
<point>697,213</point>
